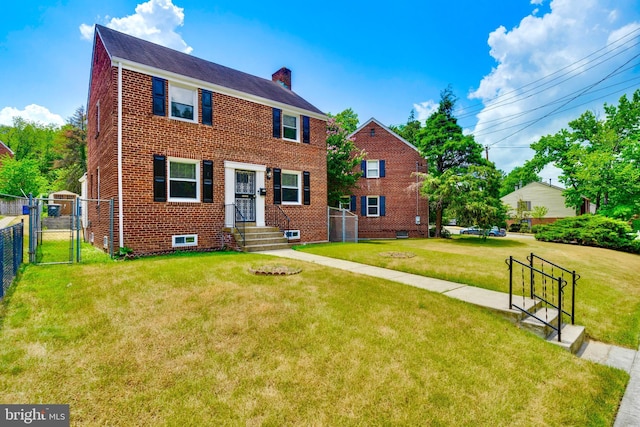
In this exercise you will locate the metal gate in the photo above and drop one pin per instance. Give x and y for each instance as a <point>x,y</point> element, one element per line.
<point>343,225</point>
<point>56,238</point>
<point>245,196</point>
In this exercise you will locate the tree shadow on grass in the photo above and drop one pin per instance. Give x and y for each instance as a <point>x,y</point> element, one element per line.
<point>494,242</point>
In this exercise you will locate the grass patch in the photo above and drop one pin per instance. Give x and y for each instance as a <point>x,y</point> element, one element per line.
<point>607,295</point>
<point>200,340</point>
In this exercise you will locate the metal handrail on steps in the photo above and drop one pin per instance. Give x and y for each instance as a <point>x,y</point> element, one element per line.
<point>533,294</point>
<point>235,214</point>
<point>279,219</point>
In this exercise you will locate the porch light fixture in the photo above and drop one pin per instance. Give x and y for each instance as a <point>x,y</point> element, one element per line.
<point>268,173</point>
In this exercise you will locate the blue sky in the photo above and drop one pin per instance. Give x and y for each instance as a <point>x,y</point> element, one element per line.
<point>381,60</point>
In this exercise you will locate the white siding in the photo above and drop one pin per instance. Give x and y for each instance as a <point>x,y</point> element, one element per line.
<point>540,194</point>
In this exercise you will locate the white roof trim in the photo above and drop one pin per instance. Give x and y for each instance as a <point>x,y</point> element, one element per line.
<point>386,129</point>
<point>179,78</point>
<point>7,147</point>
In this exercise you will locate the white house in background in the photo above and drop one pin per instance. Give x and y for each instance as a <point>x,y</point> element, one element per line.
<point>547,195</point>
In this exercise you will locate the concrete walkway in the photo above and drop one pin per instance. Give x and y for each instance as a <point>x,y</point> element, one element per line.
<point>617,357</point>
<point>4,221</point>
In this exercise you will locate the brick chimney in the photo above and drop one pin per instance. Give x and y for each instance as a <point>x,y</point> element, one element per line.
<point>282,76</point>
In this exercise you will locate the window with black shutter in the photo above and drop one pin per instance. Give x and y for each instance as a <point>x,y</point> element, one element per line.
<point>159,96</point>
<point>207,107</point>
<point>277,186</point>
<point>277,122</point>
<point>207,181</point>
<point>306,131</point>
<point>159,178</point>
<point>306,188</point>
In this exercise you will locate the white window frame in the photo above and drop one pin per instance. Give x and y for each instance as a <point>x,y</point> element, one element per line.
<point>297,128</point>
<point>188,240</point>
<point>377,198</point>
<point>376,169</point>
<point>196,180</point>
<point>299,187</point>
<point>194,100</point>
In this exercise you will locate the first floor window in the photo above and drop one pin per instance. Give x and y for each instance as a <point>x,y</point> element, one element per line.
<point>290,187</point>
<point>183,102</point>
<point>184,180</point>
<point>373,206</point>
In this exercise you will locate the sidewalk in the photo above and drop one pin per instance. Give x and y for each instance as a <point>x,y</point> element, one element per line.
<point>605,354</point>
<point>4,221</point>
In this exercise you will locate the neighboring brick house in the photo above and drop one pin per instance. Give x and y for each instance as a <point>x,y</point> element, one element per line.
<point>387,201</point>
<point>179,142</point>
<point>4,151</point>
<point>546,195</point>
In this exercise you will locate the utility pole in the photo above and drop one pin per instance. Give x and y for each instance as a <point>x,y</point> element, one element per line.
<point>486,152</point>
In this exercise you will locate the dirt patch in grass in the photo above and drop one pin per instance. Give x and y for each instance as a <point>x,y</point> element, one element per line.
<point>275,270</point>
<point>393,254</point>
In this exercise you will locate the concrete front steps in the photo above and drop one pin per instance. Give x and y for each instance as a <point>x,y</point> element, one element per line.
<point>572,336</point>
<point>261,239</point>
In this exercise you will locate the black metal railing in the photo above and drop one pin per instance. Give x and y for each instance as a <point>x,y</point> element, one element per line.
<point>543,286</point>
<point>11,243</point>
<point>237,220</point>
<point>277,218</point>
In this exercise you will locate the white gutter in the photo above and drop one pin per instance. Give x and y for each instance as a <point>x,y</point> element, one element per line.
<point>120,207</point>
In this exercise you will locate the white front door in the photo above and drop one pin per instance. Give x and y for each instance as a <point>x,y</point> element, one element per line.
<point>242,183</point>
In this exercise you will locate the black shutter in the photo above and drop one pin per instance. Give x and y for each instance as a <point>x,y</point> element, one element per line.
<point>381,164</point>
<point>159,96</point>
<point>363,208</point>
<point>306,131</point>
<point>277,122</point>
<point>159,178</point>
<point>352,204</point>
<point>207,181</point>
<point>277,186</point>
<point>383,208</point>
<point>363,167</point>
<point>207,107</point>
<point>306,188</point>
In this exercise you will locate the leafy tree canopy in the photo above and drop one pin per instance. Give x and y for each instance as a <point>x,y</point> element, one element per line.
<point>599,158</point>
<point>518,177</point>
<point>343,156</point>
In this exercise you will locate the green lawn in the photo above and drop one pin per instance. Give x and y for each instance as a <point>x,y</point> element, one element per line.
<point>200,340</point>
<point>607,295</point>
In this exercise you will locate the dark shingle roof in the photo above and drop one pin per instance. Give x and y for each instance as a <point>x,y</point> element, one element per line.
<point>126,47</point>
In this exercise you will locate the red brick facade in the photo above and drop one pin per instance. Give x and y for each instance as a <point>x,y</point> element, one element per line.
<point>241,135</point>
<point>398,202</point>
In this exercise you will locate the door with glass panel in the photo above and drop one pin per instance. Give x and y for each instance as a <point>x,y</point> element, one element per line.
<point>245,196</point>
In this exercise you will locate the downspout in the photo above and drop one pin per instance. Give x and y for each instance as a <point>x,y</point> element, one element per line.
<point>120,207</point>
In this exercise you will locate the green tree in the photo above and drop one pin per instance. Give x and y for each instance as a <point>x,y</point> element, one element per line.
<point>538,212</point>
<point>599,158</point>
<point>343,156</point>
<point>31,140</point>
<point>21,177</point>
<point>72,148</point>
<point>518,177</point>
<point>447,150</point>
<point>409,131</point>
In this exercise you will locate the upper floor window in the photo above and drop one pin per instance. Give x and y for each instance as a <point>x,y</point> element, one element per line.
<point>373,169</point>
<point>184,180</point>
<point>290,127</point>
<point>183,102</point>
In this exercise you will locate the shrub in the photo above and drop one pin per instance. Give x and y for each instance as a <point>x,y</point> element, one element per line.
<point>590,230</point>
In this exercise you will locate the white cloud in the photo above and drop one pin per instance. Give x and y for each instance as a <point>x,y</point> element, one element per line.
<point>32,113</point>
<point>155,21</point>
<point>540,68</point>
<point>425,109</point>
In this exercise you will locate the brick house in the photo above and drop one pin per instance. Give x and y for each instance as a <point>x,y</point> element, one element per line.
<point>387,201</point>
<point>189,149</point>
